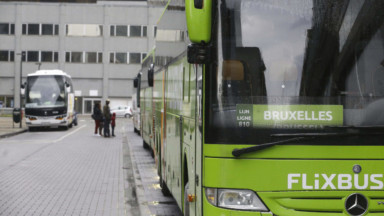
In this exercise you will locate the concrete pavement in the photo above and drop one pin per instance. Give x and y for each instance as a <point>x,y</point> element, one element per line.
<point>96,175</point>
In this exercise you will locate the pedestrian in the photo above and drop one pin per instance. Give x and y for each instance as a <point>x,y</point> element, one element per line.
<point>97,116</point>
<point>113,123</point>
<point>101,123</point>
<point>107,118</point>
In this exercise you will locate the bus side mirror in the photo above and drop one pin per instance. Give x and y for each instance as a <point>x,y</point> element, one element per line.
<point>67,86</point>
<point>151,71</point>
<point>22,88</point>
<point>199,19</point>
<point>135,82</point>
<point>138,89</point>
<point>199,54</point>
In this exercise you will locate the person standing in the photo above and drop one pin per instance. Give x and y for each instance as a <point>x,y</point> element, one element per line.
<point>113,123</point>
<point>107,118</point>
<point>97,116</point>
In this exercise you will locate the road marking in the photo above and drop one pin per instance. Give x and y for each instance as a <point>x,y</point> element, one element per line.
<point>66,135</point>
<point>43,141</point>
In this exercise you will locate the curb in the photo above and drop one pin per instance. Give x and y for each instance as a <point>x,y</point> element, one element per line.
<point>144,209</point>
<point>13,133</point>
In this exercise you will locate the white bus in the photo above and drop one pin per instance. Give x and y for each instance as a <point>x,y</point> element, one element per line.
<point>49,99</point>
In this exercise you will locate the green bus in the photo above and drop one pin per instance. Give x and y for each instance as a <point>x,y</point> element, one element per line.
<point>269,107</point>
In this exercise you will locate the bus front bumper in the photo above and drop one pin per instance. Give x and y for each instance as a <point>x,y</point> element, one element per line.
<point>46,121</point>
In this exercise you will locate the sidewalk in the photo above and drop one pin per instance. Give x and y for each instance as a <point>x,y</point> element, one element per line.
<point>8,128</point>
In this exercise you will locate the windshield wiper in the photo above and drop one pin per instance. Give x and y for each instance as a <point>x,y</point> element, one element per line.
<point>357,127</point>
<point>239,152</point>
<point>328,134</point>
<point>299,137</point>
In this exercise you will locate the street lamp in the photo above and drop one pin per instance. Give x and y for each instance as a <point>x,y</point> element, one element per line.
<point>22,54</point>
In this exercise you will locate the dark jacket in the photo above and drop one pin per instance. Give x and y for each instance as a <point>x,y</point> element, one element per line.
<point>97,113</point>
<point>107,112</point>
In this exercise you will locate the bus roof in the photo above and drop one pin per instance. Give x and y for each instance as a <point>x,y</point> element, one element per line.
<point>49,73</point>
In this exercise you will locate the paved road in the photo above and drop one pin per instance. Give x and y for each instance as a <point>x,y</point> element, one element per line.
<point>72,172</point>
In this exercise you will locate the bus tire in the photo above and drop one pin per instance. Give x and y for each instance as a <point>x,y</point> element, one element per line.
<point>186,203</point>
<point>145,145</point>
<point>164,189</point>
<point>152,153</point>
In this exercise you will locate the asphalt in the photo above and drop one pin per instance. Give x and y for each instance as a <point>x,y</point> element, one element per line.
<point>9,128</point>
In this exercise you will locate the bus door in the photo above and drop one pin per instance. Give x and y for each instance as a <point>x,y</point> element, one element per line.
<point>195,174</point>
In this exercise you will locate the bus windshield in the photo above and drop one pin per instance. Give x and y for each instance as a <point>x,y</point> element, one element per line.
<point>45,91</point>
<point>296,65</point>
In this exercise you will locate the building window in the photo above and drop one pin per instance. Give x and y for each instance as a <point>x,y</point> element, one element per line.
<point>39,56</point>
<point>56,29</point>
<point>48,56</point>
<point>32,56</point>
<point>84,57</point>
<point>131,31</point>
<point>144,31</point>
<point>100,57</point>
<point>135,31</point>
<point>134,58</point>
<point>121,30</point>
<point>33,29</point>
<point>7,29</point>
<point>74,57</point>
<point>121,58</point>
<point>55,56</point>
<point>118,58</point>
<point>84,30</point>
<point>112,58</point>
<point>112,31</point>
<point>90,57</point>
<point>143,55</point>
<point>6,55</point>
<point>40,29</point>
<point>49,29</point>
<point>93,57</point>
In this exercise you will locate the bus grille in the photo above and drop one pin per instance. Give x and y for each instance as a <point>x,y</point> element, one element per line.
<point>319,203</point>
<point>46,111</point>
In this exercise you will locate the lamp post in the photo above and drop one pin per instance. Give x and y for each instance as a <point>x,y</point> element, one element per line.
<point>22,54</point>
<point>38,65</point>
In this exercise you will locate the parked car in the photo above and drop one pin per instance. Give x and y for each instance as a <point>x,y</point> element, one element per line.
<point>122,111</point>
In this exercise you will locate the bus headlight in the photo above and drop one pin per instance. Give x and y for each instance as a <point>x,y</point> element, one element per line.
<point>60,117</point>
<point>31,118</point>
<point>235,199</point>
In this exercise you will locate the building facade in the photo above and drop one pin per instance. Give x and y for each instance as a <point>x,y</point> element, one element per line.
<point>100,45</point>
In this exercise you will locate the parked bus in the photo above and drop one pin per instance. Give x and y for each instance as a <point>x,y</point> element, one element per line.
<point>270,107</point>
<point>49,99</point>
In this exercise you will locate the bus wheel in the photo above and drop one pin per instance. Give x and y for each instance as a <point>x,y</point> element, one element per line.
<point>164,188</point>
<point>145,145</point>
<point>186,203</point>
<point>152,153</point>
